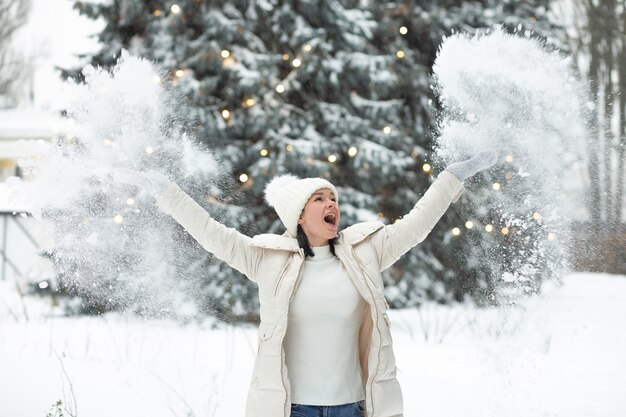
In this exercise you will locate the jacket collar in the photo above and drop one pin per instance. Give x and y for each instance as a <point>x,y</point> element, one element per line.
<point>350,236</point>
<point>360,231</point>
<point>286,241</point>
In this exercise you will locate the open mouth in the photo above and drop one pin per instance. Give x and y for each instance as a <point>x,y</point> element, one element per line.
<point>330,219</point>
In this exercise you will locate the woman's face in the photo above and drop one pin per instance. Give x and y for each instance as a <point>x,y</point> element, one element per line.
<point>320,217</point>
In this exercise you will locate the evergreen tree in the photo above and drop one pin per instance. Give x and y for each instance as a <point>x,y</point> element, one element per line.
<point>336,89</point>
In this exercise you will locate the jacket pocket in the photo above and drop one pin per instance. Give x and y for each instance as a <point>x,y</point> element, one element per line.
<point>266,330</point>
<point>267,364</point>
<point>281,276</point>
<point>269,343</point>
<point>386,331</point>
<point>386,317</point>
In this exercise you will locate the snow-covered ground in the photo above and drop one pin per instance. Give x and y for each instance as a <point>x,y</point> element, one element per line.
<point>559,354</point>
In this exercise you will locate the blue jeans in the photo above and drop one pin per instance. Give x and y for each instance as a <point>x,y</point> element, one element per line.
<point>356,409</point>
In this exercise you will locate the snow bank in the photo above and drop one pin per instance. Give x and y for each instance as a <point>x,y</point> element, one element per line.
<point>560,353</point>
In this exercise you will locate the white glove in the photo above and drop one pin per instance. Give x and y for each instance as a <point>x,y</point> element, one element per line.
<point>465,169</point>
<point>152,182</point>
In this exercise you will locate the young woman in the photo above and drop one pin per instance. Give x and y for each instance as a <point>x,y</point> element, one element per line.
<point>324,344</point>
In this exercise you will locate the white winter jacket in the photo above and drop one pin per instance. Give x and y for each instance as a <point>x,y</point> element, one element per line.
<point>275,263</point>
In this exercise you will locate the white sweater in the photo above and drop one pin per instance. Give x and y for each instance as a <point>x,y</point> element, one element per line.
<point>321,344</point>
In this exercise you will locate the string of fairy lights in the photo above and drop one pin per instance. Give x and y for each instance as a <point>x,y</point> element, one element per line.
<point>505,231</point>
<point>296,62</point>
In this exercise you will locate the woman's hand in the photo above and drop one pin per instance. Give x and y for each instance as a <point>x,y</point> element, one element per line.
<point>152,182</point>
<point>465,169</point>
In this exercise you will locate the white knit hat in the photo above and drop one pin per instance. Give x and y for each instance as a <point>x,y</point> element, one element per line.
<point>288,195</point>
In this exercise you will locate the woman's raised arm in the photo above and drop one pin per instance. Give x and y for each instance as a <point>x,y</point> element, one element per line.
<point>396,239</point>
<point>226,243</point>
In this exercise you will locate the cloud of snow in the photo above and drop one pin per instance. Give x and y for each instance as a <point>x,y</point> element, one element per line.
<point>512,94</point>
<point>112,245</point>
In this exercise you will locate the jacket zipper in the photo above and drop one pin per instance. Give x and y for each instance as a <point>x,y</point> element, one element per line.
<point>380,336</point>
<point>293,290</point>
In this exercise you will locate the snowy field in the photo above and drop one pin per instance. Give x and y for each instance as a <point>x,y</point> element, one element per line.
<point>559,354</point>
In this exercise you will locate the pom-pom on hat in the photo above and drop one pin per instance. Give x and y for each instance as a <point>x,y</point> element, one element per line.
<point>288,195</point>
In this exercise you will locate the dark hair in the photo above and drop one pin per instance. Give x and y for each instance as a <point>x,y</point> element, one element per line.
<point>303,241</point>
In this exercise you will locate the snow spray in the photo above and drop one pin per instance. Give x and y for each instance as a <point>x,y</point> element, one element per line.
<point>520,97</point>
<point>113,248</point>
<point>513,94</point>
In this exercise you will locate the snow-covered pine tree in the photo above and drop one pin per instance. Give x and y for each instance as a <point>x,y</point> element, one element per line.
<point>335,89</point>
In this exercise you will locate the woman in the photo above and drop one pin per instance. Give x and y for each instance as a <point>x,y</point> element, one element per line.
<point>324,345</point>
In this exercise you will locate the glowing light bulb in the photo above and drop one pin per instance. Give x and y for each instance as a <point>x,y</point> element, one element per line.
<point>381,214</point>
<point>264,152</point>
<point>296,63</point>
<point>551,236</point>
<point>118,219</point>
<point>332,158</point>
<point>488,228</point>
<point>130,201</point>
<point>403,30</point>
<point>456,231</point>
<point>280,88</point>
<point>496,186</point>
<point>469,224</point>
<point>387,130</point>
<point>244,177</point>
<point>149,150</point>
<point>225,53</point>
<point>249,102</point>
<point>400,54</point>
<point>226,114</point>
<point>175,8</point>
<point>352,151</point>
<point>509,158</point>
<point>157,12</point>
<point>426,168</point>
<point>285,57</point>
<point>307,47</point>
<point>536,216</point>
<point>289,148</point>
<point>505,231</point>
<point>179,73</point>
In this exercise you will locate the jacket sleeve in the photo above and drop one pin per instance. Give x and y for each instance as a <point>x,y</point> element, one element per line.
<point>227,244</point>
<point>393,241</point>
